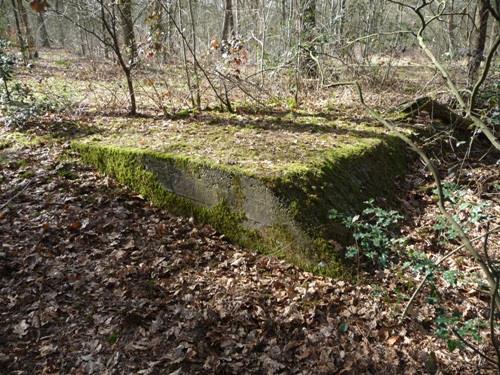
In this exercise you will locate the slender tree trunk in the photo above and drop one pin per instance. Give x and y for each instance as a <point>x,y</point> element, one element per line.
<point>451,31</point>
<point>156,31</point>
<point>290,21</point>
<point>170,29</point>
<point>184,59</point>
<point>236,15</point>
<point>60,24</point>
<point>131,91</point>
<point>195,67</point>
<point>370,20</point>
<point>283,13</point>
<point>341,15</point>
<point>81,18</point>
<point>494,31</point>
<point>44,35</point>
<point>20,36</point>
<point>480,40</point>
<point>106,41</point>
<point>228,26</point>
<point>128,28</point>
<point>128,75</point>
<point>32,52</point>
<point>308,65</point>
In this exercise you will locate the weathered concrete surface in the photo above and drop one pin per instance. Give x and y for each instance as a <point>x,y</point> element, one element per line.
<point>208,187</point>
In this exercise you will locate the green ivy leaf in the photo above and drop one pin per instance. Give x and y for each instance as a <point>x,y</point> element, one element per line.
<point>453,344</point>
<point>343,327</point>
<point>451,277</point>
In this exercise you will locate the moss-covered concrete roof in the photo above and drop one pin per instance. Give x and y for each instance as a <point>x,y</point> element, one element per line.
<point>257,144</point>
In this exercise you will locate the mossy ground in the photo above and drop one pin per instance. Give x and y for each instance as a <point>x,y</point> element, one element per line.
<point>257,144</point>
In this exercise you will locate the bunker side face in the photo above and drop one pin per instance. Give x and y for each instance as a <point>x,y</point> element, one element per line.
<point>281,211</point>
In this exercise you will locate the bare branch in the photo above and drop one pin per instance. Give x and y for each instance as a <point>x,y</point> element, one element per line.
<point>473,348</point>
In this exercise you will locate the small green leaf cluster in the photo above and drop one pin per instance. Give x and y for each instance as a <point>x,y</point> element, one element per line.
<point>19,103</point>
<point>373,232</point>
<point>23,105</point>
<point>419,262</point>
<point>469,329</point>
<point>467,214</point>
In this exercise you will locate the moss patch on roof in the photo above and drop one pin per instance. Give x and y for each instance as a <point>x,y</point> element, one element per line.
<point>256,144</point>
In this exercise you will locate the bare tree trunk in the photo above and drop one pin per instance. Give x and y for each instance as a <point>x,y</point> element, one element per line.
<point>184,59</point>
<point>341,14</point>
<point>32,52</point>
<point>156,31</point>
<point>283,13</point>
<point>128,28</point>
<point>479,42</point>
<point>106,41</point>
<point>44,35</point>
<point>60,25</point>
<point>19,33</point>
<point>308,65</point>
<point>494,31</point>
<point>196,76</point>
<point>370,20</point>
<point>131,90</point>
<point>236,15</point>
<point>170,8</point>
<point>80,16</point>
<point>451,31</point>
<point>228,26</point>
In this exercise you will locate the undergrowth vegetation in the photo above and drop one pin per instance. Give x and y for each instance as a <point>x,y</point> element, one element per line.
<point>19,103</point>
<point>374,233</point>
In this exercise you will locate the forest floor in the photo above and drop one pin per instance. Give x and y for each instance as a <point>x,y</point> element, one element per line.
<point>94,280</point>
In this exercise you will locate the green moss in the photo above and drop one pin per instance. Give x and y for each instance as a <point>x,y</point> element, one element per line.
<point>342,181</point>
<point>265,143</point>
<point>63,63</point>
<point>113,338</point>
<point>316,256</point>
<point>27,174</point>
<point>67,173</point>
<point>127,166</point>
<point>16,164</point>
<point>24,139</point>
<point>341,176</point>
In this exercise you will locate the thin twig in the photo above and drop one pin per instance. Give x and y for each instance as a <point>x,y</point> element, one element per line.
<point>15,195</point>
<point>473,348</point>
<point>441,260</point>
<point>494,341</point>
